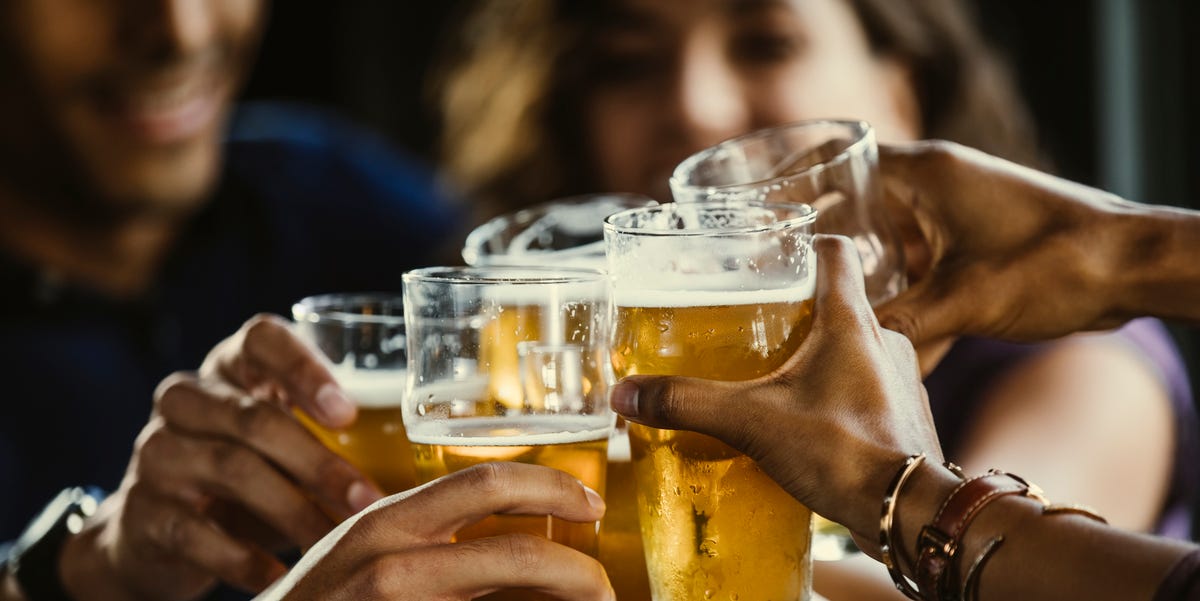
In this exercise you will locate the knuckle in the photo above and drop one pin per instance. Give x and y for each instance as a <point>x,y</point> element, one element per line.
<point>332,471</point>
<point>524,551</point>
<point>176,532</point>
<point>382,575</point>
<point>941,153</point>
<point>667,399</point>
<point>156,441</point>
<point>260,328</point>
<point>490,479</point>
<point>173,390</point>
<point>232,464</point>
<point>255,419</point>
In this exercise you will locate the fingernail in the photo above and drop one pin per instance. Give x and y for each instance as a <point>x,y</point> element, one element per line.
<point>624,398</point>
<point>594,498</point>
<point>361,495</point>
<point>334,405</point>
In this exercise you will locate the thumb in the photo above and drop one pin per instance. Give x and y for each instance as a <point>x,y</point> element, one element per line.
<point>679,403</point>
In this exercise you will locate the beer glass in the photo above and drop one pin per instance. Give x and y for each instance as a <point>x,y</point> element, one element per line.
<point>563,232</point>
<point>831,165</point>
<point>570,231</point>
<point>720,290</point>
<point>510,364</point>
<point>362,336</point>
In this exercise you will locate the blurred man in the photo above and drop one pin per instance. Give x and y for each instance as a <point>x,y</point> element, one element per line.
<point>140,222</point>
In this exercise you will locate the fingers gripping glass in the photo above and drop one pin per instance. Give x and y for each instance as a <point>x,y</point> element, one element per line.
<point>510,364</point>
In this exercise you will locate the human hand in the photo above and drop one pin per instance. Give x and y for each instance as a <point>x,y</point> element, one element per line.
<point>401,547</point>
<point>833,424</point>
<point>221,477</point>
<point>1003,251</point>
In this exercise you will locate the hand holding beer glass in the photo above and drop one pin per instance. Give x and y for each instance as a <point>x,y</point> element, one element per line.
<point>362,336</point>
<point>510,364</point>
<point>570,231</point>
<point>831,165</point>
<point>719,290</point>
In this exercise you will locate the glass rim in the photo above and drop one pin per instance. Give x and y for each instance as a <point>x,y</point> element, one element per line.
<point>310,308</point>
<point>505,274</point>
<point>808,216</point>
<point>864,130</point>
<point>477,238</point>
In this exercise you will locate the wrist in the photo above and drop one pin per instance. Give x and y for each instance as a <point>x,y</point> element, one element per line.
<point>84,565</point>
<point>1157,274</point>
<point>929,486</point>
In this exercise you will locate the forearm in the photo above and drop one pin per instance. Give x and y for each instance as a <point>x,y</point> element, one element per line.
<point>1042,556</point>
<point>1159,273</point>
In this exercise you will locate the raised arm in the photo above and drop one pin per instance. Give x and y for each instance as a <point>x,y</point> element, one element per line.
<point>835,425</point>
<point>1008,252</point>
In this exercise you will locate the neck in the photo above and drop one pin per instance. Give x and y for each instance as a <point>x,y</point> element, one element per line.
<point>118,258</point>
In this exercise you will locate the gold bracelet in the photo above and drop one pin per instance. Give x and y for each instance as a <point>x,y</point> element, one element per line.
<point>886,549</point>
<point>1072,508</point>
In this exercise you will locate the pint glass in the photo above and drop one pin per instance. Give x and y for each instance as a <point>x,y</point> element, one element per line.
<point>718,290</point>
<point>570,231</point>
<point>831,165</point>
<point>362,336</point>
<point>510,364</point>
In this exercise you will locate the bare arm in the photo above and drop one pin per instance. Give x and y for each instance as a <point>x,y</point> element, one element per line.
<point>1017,254</point>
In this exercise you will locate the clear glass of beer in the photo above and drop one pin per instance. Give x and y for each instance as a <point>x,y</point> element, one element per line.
<point>720,290</point>
<point>570,231</point>
<point>830,165</point>
<point>563,232</point>
<point>362,336</point>
<point>510,364</point>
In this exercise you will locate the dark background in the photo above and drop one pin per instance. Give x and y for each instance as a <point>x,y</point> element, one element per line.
<point>1112,83</point>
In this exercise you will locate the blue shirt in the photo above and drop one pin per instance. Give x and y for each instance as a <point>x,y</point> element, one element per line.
<point>306,205</point>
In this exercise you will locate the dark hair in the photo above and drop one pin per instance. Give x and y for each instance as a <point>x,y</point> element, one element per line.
<point>509,83</point>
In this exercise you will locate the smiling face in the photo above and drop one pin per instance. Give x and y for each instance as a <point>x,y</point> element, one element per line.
<point>120,105</point>
<point>675,76</point>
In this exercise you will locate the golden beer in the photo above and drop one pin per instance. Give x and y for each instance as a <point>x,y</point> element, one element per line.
<point>375,443</point>
<point>620,536</point>
<point>714,525</point>
<point>576,445</point>
<point>514,323</point>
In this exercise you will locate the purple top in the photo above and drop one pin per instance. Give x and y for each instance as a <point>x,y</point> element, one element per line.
<point>959,385</point>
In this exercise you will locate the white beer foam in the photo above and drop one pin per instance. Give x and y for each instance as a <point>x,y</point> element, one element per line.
<point>372,388</point>
<point>522,431</point>
<point>543,294</point>
<point>712,298</point>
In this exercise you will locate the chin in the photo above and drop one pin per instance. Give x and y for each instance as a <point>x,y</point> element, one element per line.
<point>162,183</point>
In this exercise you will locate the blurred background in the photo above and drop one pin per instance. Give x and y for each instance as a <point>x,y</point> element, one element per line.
<point>1112,83</point>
